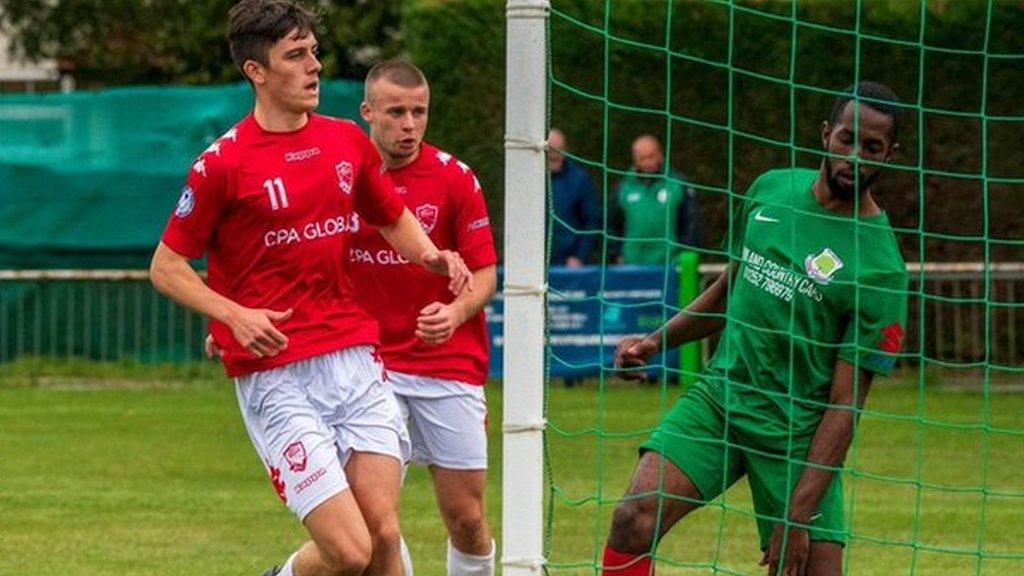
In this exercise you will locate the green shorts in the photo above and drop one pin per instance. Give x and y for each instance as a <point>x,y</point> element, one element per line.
<point>713,455</point>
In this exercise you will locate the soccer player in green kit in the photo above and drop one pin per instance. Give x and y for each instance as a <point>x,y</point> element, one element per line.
<point>816,298</point>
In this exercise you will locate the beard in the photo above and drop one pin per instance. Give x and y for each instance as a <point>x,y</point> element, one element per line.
<point>848,193</point>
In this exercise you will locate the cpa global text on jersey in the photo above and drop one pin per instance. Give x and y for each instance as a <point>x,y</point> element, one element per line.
<point>385,257</point>
<point>344,223</point>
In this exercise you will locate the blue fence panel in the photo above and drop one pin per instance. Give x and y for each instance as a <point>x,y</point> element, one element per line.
<point>589,310</point>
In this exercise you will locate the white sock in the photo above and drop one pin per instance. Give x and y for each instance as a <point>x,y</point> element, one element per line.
<point>462,564</point>
<point>286,570</point>
<point>406,558</point>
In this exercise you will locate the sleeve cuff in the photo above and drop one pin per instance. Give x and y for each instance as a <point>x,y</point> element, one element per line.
<point>477,257</point>
<point>183,244</point>
<point>875,361</point>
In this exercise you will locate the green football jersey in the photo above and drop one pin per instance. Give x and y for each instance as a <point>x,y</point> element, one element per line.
<point>812,287</point>
<point>650,207</point>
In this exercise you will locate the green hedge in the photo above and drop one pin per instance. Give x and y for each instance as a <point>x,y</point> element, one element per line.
<point>678,86</point>
<point>460,45</point>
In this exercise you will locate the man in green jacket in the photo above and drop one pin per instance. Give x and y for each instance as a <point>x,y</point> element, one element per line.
<point>654,210</point>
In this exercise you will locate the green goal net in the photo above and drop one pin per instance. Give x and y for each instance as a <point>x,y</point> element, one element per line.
<point>732,89</point>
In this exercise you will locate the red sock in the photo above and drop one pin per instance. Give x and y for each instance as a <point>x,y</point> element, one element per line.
<point>617,563</point>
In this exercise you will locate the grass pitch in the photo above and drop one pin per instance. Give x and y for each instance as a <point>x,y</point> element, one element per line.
<point>109,470</point>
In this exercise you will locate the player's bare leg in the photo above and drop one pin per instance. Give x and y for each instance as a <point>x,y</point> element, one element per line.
<point>825,559</point>
<point>376,481</point>
<point>460,497</point>
<point>636,523</point>
<point>341,544</point>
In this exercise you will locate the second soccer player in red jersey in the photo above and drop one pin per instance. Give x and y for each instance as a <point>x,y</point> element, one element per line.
<point>434,345</point>
<point>273,203</point>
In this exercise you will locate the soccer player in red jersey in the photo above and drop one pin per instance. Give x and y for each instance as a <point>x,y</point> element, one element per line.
<point>435,346</point>
<point>273,203</point>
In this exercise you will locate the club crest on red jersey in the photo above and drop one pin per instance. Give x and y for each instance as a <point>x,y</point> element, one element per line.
<point>345,176</point>
<point>427,215</point>
<point>295,454</point>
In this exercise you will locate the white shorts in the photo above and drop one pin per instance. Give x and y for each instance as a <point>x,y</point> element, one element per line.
<point>447,420</point>
<point>306,418</point>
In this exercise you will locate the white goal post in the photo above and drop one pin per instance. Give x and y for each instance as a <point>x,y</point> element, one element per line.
<point>524,289</point>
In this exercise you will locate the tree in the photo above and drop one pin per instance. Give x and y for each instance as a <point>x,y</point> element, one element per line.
<point>110,42</point>
<point>364,32</point>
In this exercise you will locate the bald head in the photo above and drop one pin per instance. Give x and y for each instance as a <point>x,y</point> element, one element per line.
<point>556,144</point>
<point>647,155</point>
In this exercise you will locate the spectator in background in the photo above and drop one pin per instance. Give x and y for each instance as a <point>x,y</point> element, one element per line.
<point>576,210</point>
<point>654,211</point>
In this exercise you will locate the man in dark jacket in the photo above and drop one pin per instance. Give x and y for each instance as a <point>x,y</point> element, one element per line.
<point>577,221</point>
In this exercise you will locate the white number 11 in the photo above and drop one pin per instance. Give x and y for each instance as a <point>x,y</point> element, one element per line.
<point>275,189</point>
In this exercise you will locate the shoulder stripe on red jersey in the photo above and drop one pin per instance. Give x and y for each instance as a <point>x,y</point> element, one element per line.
<point>443,157</point>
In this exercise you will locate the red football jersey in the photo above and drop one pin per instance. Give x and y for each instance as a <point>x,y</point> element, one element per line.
<point>275,212</point>
<point>444,194</point>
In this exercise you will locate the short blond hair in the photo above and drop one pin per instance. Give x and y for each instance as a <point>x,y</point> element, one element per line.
<point>397,71</point>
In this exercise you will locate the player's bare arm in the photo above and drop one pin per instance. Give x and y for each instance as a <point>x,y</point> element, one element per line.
<point>406,236</point>
<point>438,321</point>
<point>254,329</point>
<point>700,319</point>
<point>827,452</point>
